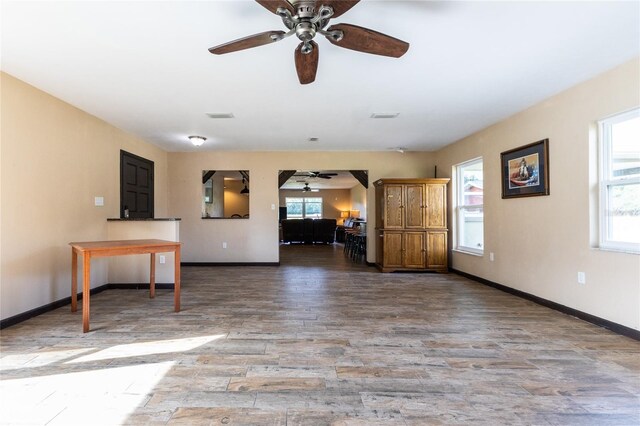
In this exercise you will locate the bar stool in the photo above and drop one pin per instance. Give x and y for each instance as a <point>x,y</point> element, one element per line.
<point>359,247</point>
<point>349,239</point>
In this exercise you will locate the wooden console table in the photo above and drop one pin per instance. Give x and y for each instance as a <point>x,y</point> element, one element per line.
<point>118,248</point>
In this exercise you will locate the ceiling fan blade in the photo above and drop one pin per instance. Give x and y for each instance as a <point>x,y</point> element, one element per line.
<point>273,5</point>
<point>339,6</point>
<point>324,177</point>
<point>368,41</point>
<point>307,64</point>
<point>246,42</point>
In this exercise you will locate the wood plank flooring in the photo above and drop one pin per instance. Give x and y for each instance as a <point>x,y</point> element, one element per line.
<point>317,341</point>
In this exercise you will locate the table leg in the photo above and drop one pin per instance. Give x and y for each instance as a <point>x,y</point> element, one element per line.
<point>152,276</point>
<point>86,290</point>
<point>74,280</point>
<point>176,280</point>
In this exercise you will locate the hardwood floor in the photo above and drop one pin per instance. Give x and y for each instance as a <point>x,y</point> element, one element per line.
<point>317,341</point>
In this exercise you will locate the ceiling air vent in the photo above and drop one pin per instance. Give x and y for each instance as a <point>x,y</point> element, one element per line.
<point>385,114</point>
<point>220,115</point>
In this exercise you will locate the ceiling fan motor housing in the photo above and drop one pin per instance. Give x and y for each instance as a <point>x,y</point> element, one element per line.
<point>305,8</point>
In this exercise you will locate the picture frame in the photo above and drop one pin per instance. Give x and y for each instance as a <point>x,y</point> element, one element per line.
<point>525,170</point>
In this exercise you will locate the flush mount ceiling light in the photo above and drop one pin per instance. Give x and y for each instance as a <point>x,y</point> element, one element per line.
<point>197,140</point>
<point>399,149</point>
<point>385,114</point>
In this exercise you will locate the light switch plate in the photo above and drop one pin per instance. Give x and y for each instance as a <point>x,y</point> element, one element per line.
<point>99,201</point>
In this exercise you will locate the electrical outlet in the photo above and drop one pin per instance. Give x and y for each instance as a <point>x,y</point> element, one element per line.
<point>491,257</point>
<point>582,279</point>
<point>163,259</point>
<point>98,201</point>
<point>224,245</point>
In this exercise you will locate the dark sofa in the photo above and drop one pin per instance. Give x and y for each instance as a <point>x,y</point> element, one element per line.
<point>308,231</point>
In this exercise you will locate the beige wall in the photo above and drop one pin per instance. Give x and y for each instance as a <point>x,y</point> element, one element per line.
<point>135,268</point>
<point>545,259</point>
<point>333,200</point>
<point>256,239</point>
<point>359,199</point>
<point>55,159</point>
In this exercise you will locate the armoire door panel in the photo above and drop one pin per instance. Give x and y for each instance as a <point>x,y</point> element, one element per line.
<point>414,206</point>
<point>414,250</point>
<point>437,250</point>
<point>436,206</point>
<point>393,199</point>
<point>393,249</point>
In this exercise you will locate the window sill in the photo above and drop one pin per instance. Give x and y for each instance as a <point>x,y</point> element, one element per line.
<point>471,253</point>
<point>625,250</point>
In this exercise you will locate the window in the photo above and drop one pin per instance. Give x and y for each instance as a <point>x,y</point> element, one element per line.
<point>469,221</point>
<point>307,207</point>
<point>620,182</point>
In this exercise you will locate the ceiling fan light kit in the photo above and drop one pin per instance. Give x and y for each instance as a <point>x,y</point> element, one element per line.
<point>306,19</point>
<point>307,188</point>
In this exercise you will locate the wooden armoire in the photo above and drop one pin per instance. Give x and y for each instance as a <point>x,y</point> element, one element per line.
<point>411,224</point>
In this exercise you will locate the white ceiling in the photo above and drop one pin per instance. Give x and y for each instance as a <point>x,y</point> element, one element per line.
<point>144,67</point>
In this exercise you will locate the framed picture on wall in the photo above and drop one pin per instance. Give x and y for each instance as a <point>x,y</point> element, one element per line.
<point>525,170</point>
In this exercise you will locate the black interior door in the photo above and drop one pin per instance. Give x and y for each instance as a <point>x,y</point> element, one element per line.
<point>136,186</point>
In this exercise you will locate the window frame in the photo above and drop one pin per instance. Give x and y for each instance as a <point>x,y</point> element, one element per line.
<point>460,207</point>
<point>606,182</point>
<point>304,203</point>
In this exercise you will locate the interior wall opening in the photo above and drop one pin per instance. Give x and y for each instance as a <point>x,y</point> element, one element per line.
<point>319,210</point>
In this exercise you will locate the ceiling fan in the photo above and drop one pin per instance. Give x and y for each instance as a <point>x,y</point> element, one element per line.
<point>307,188</point>
<point>320,175</point>
<point>305,19</point>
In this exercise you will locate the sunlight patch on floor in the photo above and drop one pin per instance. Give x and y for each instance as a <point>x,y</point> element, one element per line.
<point>38,359</point>
<point>106,396</point>
<point>148,348</point>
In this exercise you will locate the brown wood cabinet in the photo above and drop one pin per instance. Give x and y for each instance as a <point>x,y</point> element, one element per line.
<point>411,224</point>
